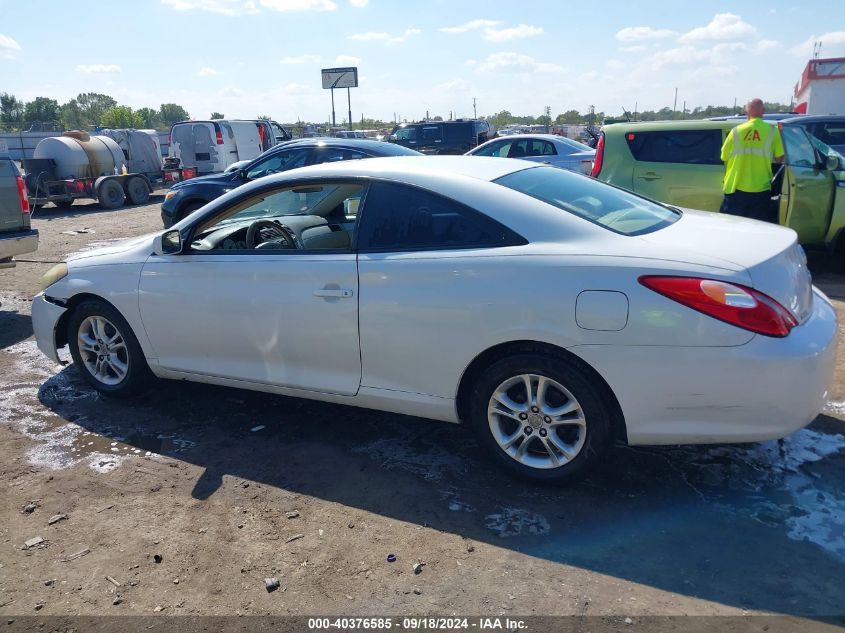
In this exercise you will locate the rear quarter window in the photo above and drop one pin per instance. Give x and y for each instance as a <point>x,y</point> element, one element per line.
<point>694,147</point>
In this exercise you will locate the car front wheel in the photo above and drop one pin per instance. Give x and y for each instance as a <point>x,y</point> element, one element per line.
<point>105,350</point>
<point>540,418</point>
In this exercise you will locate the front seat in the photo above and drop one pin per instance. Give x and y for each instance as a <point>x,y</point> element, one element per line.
<point>516,151</point>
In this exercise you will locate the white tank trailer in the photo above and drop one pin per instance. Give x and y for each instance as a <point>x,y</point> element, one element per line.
<point>78,165</point>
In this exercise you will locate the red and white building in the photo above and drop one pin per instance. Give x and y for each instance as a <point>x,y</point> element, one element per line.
<point>822,87</point>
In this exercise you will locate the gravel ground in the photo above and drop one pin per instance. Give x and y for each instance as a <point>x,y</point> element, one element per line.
<point>184,501</point>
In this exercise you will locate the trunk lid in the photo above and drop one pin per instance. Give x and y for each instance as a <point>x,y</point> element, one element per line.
<point>770,253</point>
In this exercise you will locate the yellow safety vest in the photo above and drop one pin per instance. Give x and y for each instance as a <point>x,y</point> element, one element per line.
<point>748,152</point>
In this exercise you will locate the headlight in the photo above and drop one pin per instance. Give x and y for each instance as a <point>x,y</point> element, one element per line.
<point>59,271</point>
<point>170,194</point>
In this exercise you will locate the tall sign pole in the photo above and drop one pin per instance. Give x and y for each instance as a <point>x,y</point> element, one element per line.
<point>340,78</point>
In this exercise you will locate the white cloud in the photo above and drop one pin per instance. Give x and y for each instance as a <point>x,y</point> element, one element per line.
<point>720,55</point>
<point>641,33</point>
<point>512,33</point>
<point>832,43</point>
<point>205,71</point>
<point>299,5</point>
<point>225,7</point>
<point>346,60</point>
<point>8,47</point>
<point>723,26</point>
<point>515,63</point>
<point>455,85</point>
<point>382,36</point>
<point>359,4</point>
<point>472,25</point>
<point>232,92</point>
<point>636,48</point>
<point>98,69</point>
<point>300,59</point>
<point>765,45</point>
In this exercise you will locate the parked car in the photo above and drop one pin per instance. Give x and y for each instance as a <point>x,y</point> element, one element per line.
<point>211,146</point>
<point>550,312</point>
<point>551,149</point>
<point>829,129</point>
<point>186,197</point>
<point>17,237</point>
<point>442,137</point>
<point>678,162</point>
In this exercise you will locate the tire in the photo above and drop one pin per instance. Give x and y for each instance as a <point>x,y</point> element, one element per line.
<point>535,455</point>
<point>187,210</point>
<point>63,204</point>
<point>137,190</point>
<point>128,373</point>
<point>110,194</point>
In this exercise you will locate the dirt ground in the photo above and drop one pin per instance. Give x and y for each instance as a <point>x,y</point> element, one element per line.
<point>177,503</point>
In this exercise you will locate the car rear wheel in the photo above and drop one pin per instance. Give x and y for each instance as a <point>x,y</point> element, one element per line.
<point>540,418</point>
<point>105,350</point>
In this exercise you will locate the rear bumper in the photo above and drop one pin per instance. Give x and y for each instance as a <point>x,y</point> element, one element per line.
<point>18,243</point>
<point>765,389</point>
<point>45,318</point>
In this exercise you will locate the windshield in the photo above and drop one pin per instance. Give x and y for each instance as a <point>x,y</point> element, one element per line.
<point>601,204</point>
<point>575,145</point>
<point>406,134</point>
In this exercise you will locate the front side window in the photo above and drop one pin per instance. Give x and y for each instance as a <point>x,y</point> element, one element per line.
<point>696,147</point>
<point>300,218</point>
<point>431,133</point>
<point>799,151</point>
<point>499,149</point>
<point>402,218</point>
<point>594,201</point>
<point>334,155</point>
<point>281,161</point>
<point>406,134</point>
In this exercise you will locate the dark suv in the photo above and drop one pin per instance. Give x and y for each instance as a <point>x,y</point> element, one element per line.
<point>442,137</point>
<point>189,195</point>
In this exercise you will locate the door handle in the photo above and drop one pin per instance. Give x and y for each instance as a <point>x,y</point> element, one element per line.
<point>650,176</point>
<point>333,293</point>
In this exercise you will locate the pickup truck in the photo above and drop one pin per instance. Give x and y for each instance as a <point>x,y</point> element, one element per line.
<point>16,235</point>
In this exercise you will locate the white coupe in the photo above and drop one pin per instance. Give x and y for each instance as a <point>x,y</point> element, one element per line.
<point>552,313</point>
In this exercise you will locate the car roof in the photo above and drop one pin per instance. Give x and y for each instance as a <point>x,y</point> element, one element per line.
<point>659,126</point>
<point>334,141</point>
<point>405,168</point>
<point>815,118</point>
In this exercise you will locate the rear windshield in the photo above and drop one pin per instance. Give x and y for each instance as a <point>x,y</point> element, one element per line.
<point>389,149</point>
<point>609,207</point>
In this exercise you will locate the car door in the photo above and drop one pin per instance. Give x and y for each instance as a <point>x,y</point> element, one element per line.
<point>274,315</point>
<point>428,274</point>
<point>806,201</point>
<point>679,167</point>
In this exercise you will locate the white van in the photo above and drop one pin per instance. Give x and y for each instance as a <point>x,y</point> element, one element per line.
<point>211,146</point>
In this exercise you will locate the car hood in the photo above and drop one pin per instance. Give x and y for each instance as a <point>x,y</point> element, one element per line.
<point>208,179</point>
<point>126,251</point>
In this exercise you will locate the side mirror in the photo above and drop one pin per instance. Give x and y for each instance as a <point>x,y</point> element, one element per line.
<point>242,174</point>
<point>832,163</point>
<point>391,137</point>
<point>168,243</point>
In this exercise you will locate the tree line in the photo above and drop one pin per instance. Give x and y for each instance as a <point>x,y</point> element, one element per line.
<point>89,109</point>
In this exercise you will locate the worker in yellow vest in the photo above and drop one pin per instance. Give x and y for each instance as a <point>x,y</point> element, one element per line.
<point>748,153</point>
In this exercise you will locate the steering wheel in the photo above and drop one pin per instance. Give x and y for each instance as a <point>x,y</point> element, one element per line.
<point>269,234</point>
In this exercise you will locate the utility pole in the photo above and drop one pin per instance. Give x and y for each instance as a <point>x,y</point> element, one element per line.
<point>474,110</point>
<point>684,113</point>
<point>675,105</point>
<point>548,114</point>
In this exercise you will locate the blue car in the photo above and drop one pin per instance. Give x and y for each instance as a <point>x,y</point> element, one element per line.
<point>187,196</point>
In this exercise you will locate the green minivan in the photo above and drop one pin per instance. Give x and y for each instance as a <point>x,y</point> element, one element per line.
<point>677,162</point>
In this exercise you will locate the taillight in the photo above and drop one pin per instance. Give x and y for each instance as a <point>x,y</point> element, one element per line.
<point>22,195</point>
<point>738,305</point>
<point>219,134</point>
<point>597,163</point>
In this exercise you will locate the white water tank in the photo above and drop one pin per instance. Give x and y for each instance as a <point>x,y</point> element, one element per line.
<point>79,155</point>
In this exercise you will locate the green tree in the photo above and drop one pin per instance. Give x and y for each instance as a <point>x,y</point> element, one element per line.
<point>151,118</point>
<point>72,117</point>
<point>93,105</point>
<point>172,113</point>
<point>570,117</point>
<point>217,115</point>
<point>41,109</point>
<point>11,110</point>
<point>121,117</point>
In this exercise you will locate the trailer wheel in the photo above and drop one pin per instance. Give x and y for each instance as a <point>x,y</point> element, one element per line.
<point>110,194</point>
<point>137,190</point>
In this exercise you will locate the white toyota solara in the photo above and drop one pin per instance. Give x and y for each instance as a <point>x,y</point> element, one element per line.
<point>552,313</point>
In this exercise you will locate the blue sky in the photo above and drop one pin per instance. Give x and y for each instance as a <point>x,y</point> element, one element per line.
<point>249,57</point>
